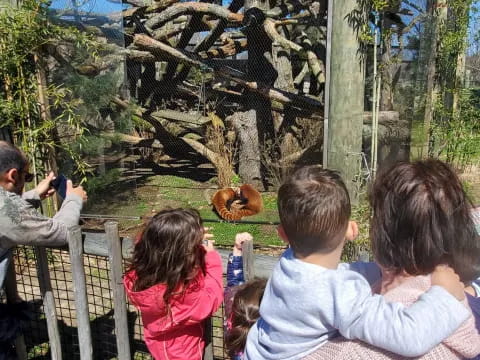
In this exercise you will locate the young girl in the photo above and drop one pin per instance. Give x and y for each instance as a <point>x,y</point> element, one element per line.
<point>176,282</point>
<point>242,301</point>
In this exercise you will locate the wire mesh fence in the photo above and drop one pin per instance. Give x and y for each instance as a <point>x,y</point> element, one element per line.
<point>100,305</point>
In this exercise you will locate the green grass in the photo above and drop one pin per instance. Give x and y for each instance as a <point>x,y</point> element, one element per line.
<point>160,192</point>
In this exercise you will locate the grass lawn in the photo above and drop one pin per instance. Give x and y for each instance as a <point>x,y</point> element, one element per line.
<point>159,192</point>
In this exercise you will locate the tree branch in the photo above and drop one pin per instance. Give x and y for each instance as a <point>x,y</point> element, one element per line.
<point>210,39</point>
<point>192,8</point>
<point>316,65</point>
<point>231,48</point>
<point>162,50</point>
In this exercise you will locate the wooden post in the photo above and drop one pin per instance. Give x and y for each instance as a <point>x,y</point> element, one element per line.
<point>346,96</point>
<point>11,292</point>
<point>75,248</point>
<point>116,284</point>
<point>208,352</point>
<point>21,348</point>
<point>48,303</point>
<point>248,261</point>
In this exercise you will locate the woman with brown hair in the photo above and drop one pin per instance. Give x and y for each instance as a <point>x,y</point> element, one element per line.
<point>421,219</point>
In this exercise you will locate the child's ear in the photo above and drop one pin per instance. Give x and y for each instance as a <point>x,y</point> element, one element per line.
<point>281,233</point>
<point>352,231</point>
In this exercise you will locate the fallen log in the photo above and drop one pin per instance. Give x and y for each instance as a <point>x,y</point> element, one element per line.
<point>192,119</point>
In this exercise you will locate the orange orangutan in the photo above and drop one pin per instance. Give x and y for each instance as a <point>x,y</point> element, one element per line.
<point>235,203</point>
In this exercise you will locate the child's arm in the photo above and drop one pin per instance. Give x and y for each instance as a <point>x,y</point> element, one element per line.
<point>235,261</point>
<point>210,296</point>
<point>407,331</point>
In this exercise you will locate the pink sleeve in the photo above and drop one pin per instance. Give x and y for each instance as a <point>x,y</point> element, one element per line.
<point>211,296</point>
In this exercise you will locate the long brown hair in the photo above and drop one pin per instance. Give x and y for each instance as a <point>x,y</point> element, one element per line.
<point>245,311</point>
<point>170,252</point>
<point>422,219</point>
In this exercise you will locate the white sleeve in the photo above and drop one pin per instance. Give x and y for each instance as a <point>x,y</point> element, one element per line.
<point>407,331</point>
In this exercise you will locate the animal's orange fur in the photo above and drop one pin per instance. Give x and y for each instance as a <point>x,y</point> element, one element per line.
<point>233,205</point>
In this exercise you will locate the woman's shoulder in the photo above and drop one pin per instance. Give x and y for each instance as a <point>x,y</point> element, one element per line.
<point>409,290</point>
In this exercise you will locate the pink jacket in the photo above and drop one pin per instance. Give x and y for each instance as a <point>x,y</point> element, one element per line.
<point>464,343</point>
<point>179,336</point>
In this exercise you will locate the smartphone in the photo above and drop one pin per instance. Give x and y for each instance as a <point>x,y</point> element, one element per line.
<point>60,185</point>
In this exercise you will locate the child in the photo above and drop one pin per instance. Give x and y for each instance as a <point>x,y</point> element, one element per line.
<point>242,301</point>
<point>309,299</point>
<point>176,282</point>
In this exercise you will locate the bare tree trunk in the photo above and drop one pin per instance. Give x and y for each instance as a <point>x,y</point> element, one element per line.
<point>245,125</point>
<point>284,81</point>
<point>252,125</point>
<point>386,97</point>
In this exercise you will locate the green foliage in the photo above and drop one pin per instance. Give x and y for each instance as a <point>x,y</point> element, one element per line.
<point>98,184</point>
<point>456,135</point>
<point>361,214</point>
<point>24,32</point>
<point>95,93</point>
<point>236,180</point>
<point>89,145</point>
<point>453,36</point>
<point>455,131</point>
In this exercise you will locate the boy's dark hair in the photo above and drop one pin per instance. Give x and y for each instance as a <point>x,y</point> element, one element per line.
<point>421,219</point>
<point>314,209</point>
<point>245,312</point>
<point>169,251</point>
<point>11,158</point>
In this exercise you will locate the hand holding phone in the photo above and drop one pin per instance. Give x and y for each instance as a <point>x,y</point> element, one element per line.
<point>60,185</point>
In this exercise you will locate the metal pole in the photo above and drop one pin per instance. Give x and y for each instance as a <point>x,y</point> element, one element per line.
<point>248,261</point>
<point>327,83</point>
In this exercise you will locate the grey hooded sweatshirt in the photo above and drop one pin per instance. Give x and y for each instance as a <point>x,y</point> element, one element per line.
<point>22,224</point>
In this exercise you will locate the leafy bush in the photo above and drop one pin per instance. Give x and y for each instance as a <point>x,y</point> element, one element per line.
<point>100,183</point>
<point>456,135</point>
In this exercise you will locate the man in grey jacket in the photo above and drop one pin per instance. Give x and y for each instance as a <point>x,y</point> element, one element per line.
<point>20,222</point>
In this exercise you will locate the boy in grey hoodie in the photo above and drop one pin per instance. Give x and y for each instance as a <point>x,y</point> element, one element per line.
<point>310,298</point>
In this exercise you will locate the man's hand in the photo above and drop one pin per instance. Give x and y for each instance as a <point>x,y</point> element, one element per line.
<point>445,277</point>
<point>240,238</point>
<point>76,190</point>
<point>43,188</point>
